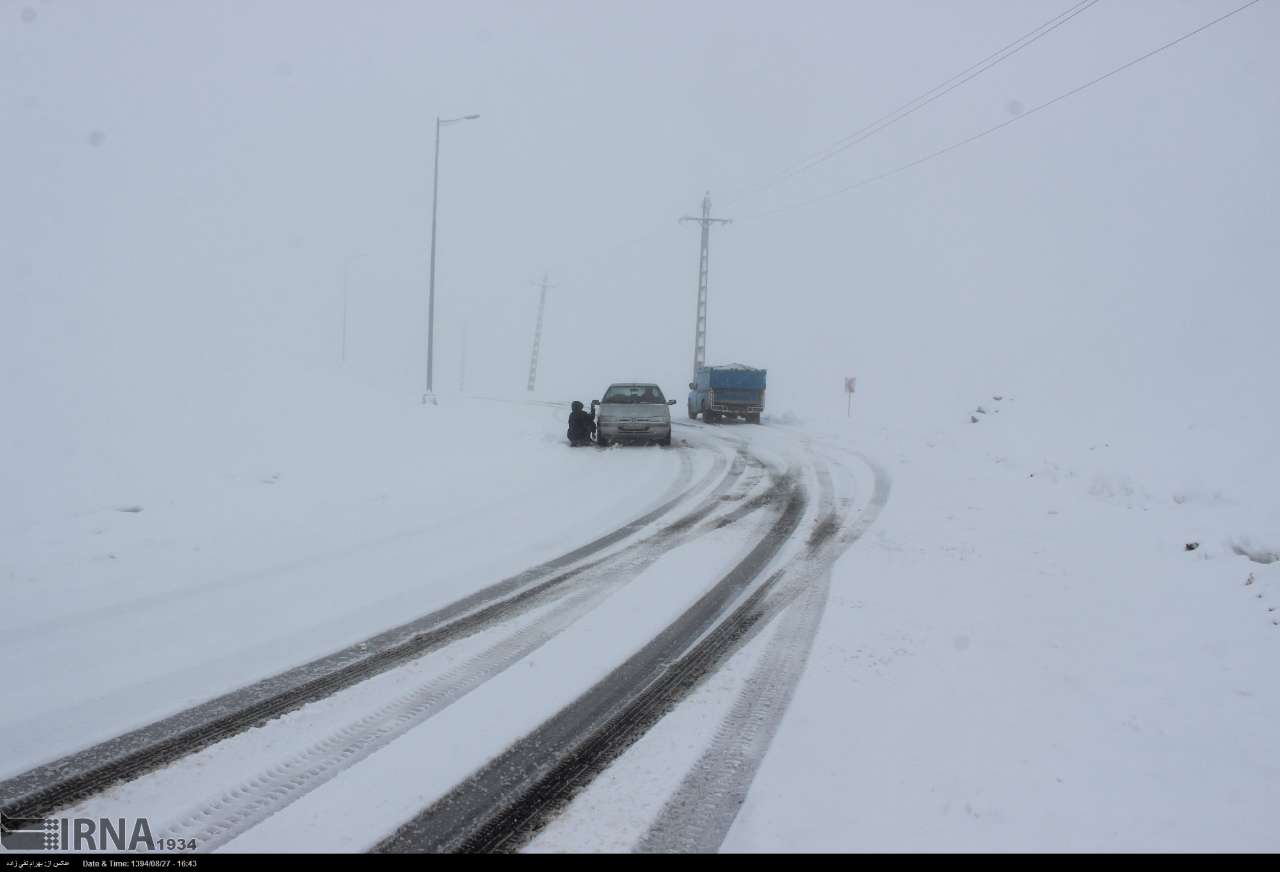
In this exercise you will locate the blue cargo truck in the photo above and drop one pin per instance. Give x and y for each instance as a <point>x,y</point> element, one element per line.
<point>733,391</point>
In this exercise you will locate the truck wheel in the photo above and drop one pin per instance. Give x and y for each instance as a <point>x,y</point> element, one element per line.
<point>601,440</point>
<point>693,416</point>
<point>753,419</point>
<point>708,416</point>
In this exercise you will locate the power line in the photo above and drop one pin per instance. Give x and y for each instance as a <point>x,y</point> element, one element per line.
<point>1080,7</point>
<point>990,130</point>
<point>908,108</point>
<point>898,114</point>
<point>936,92</point>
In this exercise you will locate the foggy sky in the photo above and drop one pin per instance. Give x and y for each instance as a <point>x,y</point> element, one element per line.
<point>183,183</point>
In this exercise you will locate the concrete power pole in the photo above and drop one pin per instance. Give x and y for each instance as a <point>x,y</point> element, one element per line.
<point>462,364</point>
<point>346,286</point>
<point>700,331</point>
<point>537,335</point>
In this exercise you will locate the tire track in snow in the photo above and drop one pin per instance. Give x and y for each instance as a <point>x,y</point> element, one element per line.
<point>759,708</point>
<point>216,821</point>
<point>685,675</point>
<point>69,779</point>
<point>495,806</point>
<point>698,816</point>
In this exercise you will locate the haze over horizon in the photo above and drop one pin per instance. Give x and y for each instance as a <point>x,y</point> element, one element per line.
<point>185,185</point>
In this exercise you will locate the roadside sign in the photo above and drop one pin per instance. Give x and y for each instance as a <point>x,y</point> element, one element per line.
<point>850,383</point>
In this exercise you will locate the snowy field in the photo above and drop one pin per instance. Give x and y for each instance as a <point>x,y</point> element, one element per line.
<point>1019,652</point>
<point>1023,656</point>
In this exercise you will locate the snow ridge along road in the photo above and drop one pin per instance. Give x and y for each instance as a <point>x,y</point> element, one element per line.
<point>62,782</point>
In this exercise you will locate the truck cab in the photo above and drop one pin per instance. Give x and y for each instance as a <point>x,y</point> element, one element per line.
<point>733,391</point>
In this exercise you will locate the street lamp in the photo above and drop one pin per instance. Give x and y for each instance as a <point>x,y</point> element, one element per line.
<point>429,396</point>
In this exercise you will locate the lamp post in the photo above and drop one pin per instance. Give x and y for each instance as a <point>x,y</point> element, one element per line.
<point>429,397</point>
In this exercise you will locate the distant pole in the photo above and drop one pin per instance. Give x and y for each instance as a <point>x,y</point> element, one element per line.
<point>700,327</point>
<point>537,335</point>
<point>429,396</point>
<point>346,281</point>
<point>346,287</point>
<point>462,367</point>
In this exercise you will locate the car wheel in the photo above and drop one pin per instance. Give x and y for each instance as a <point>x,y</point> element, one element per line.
<point>602,440</point>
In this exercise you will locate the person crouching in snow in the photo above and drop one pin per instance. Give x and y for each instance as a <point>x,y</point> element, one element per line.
<point>581,425</point>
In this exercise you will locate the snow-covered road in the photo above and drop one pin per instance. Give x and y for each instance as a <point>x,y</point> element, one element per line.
<point>472,725</point>
<point>675,649</point>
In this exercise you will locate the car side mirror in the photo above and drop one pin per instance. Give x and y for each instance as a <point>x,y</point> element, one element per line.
<point>671,402</point>
<point>595,403</point>
<point>692,386</point>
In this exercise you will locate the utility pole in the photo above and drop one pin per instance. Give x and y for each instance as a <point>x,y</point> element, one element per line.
<point>346,283</point>
<point>346,288</point>
<point>700,331</point>
<point>462,366</point>
<point>537,334</point>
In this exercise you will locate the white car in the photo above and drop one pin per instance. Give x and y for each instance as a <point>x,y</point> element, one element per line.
<point>633,412</point>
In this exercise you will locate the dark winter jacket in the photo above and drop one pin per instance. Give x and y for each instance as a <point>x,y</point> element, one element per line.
<point>582,424</point>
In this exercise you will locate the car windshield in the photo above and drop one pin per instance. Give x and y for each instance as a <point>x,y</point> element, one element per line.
<point>634,394</point>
